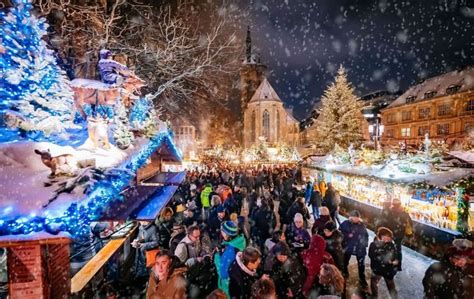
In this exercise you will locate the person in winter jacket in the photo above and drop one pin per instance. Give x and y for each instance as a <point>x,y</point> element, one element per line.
<point>287,273</point>
<point>243,273</point>
<point>215,221</point>
<point>297,236</point>
<point>146,239</point>
<point>383,261</point>
<point>331,201</point>
<point>192,248</point>
<point>166,281</point>
<point>277,236</point>
<point>316,201</point>
<point>225,254</point>
<point>396,219</point>
<point>319,224</point>
<point>356,240</point>
<point>165,226</point>
<point>334,239</point>
<point>308,191</point>
<point>262,222</point>
<point>298,206</point>
<point>322,188</point>
<point>313,258</point>
<point>449,277</point>
<point>331,281</point>
<point>205,200</point>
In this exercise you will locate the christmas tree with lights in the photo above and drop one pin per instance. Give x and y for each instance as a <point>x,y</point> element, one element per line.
<point>340,116</point>
<point>34,92</point>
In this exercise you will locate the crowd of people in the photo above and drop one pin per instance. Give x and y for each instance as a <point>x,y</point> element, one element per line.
<point>269,233</point>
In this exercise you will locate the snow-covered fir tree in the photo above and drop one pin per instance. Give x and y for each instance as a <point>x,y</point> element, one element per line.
<point>122,134</point>
<point>340,115</point>
<point>34,92</point>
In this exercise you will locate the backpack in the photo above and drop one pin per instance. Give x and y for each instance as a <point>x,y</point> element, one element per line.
<point>176,240</point>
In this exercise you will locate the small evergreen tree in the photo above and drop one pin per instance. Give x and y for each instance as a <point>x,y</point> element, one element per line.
<point>339,121</point>
<point>34,92</point>
<point>122,134</point>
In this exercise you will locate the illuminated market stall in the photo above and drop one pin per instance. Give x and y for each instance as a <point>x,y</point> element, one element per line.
<point>438,199</point>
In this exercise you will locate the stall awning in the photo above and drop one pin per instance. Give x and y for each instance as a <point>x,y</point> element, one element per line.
<point>165,178</point>
<point>157,202</point>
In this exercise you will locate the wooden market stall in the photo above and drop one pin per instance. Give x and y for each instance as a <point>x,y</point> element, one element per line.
<point>39,262</point>
<point>440,204</point>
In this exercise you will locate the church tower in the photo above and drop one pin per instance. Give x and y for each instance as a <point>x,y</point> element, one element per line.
<point>252,73</point>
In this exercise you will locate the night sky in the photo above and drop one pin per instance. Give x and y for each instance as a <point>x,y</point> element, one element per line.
<point>384,45</point>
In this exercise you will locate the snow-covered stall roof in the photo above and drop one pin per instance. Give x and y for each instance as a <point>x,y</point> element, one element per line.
<point>464,156</point>
<point>439,84</point>
<point>436,178</point>
<point>25,204</point>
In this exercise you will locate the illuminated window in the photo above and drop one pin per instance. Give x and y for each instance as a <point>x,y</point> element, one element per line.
<point>424,113</point>
<point>406,132</point>
<point>444,109</point>
<point>453,89</point>
<point>406,115</point>
<point>278,125</point>
<point>253,124</point>
<point>266,124</point>
<point>443,129</point>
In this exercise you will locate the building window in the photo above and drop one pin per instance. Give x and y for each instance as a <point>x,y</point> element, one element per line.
<point>444,109</point>
<point>253,124</point>
<point>423,130</point>
<point>391,118</point>
<point>389,133</point>
<point>406,132</point>
<point>424,113</point>
<point>266,124</point>
<point>430,94</point>
<point>470,105</point>
<point>406,115</point>
<point>410,99</point>
<point>443,129</point>
<point>453,89</point>
<point>278,125</point>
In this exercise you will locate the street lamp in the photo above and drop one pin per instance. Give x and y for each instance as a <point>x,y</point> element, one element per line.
<point>376,129</point>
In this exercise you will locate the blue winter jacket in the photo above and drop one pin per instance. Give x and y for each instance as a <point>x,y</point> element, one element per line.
<point>356,237</point>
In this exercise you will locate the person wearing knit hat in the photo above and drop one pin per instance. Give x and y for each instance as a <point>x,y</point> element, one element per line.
<point>287,271</point>
<point>383,261</point>
<point>229,228</point>
<point>297,236</point>
<point>298,218</point>
<point>226,253</point>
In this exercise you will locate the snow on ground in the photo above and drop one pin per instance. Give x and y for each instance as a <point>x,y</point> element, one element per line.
<point>23,175</point>
<point>408,282</point>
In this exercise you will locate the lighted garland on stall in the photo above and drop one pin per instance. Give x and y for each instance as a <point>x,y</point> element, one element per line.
<point>463,211</point>
<point>77,217</point>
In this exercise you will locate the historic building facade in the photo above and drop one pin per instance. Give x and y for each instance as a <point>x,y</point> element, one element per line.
<point>442,106</point>
<point>264,117</point>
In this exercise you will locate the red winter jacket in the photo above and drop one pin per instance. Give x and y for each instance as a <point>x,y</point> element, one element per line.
<point>313,258</point>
